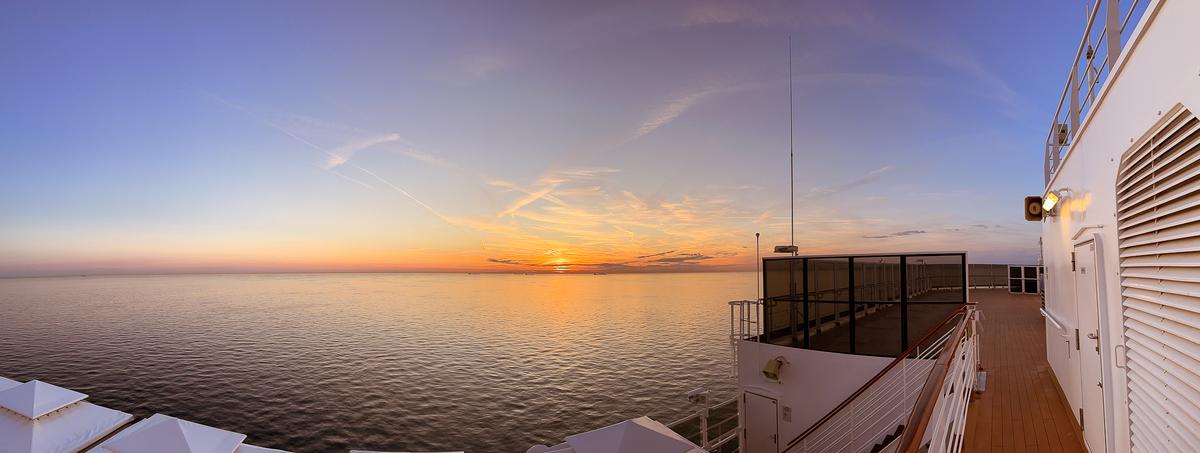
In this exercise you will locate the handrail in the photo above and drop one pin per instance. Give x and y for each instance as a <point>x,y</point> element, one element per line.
<point>899,359</point>
<point>1109,40</point>
<point>1051,318</point>
<point>918,420</point>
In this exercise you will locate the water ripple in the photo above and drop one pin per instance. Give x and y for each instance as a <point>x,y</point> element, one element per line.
<point>320,363</point>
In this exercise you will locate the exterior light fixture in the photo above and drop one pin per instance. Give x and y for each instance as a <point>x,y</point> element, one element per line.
<point>1049,202</point>
<point>773,367</point>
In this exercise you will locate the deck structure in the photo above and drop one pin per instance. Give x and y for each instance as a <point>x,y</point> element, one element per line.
<point>1022,408</point>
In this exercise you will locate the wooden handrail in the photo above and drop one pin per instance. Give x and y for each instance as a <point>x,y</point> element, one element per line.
<point>900,358</point>
<point>918,420</point>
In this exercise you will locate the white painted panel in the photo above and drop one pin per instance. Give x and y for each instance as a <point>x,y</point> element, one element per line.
<point>811,384</point>
<point>1159,231</point>
<point>1157,71</point>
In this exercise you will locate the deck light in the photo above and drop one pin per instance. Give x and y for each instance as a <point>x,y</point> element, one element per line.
<point>1049,202</point>
<point>773,367</point>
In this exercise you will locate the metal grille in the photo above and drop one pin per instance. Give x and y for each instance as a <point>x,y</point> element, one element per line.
<point>1158,222</point>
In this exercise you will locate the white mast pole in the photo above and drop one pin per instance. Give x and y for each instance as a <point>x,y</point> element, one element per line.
<point>791,150</point>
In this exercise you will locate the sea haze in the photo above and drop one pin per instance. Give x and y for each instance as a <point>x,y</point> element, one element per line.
<point>328,362</point>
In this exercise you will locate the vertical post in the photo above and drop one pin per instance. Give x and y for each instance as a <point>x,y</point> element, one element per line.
<point>965,269</point>
<point>1074,94</point>
<point>804,298</point>
<point>791,308</point>
<point>1112,25</point>
<point>1046,176</point>
<point>903,303</point>
<point>704,424</point>
<point>850,298</point>
<point>764,319</point>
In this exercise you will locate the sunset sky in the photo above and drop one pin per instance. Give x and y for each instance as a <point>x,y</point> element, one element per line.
<point>499,136</point>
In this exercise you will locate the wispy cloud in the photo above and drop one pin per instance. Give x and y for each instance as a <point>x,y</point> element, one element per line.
<point>668,112</point>
<point>343,153</point>
<point>869,177</point>
<point>897,234</point>
<point>668,252</point>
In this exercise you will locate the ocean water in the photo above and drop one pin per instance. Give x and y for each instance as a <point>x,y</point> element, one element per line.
<point>424,362</point>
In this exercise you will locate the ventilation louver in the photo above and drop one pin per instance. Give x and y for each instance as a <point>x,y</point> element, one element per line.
<point>1158,223</point>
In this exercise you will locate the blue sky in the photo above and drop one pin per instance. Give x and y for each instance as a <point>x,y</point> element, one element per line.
<point>274,136</point>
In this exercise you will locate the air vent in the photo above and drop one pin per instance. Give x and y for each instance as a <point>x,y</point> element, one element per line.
<point>1158,223</point>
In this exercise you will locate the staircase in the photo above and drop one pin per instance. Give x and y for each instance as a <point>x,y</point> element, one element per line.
<point>910,405</point>
<point>887,440</point>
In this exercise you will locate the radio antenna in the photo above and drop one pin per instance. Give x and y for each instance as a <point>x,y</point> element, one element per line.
<point>791,150</point>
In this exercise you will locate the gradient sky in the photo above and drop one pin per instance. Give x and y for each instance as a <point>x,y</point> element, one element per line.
<point>500,136</point>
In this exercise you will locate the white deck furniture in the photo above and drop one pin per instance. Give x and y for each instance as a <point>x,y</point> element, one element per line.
<point>36,417</point>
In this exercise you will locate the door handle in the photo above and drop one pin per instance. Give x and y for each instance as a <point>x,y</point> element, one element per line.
<point>1092,336</point>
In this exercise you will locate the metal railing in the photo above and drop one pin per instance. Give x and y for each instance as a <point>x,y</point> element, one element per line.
<point>745,318</point>
<point>937,421</point>
<point>879,411</point>
<point>712,427</point>
<point>1095,59</point>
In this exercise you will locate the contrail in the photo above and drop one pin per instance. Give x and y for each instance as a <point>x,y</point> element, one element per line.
<point>405,192</point>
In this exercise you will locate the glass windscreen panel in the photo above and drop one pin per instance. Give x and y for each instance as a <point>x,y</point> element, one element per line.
<point>867,304</point>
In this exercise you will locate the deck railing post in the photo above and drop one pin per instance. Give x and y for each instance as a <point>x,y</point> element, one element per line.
<point>903,303</point>
<point>1073,113</point>
<point>850,297</point>
<point>804,298</point>
<point>1112,31</point>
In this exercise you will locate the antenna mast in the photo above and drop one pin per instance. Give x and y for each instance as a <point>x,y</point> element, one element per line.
<point>791,151</point>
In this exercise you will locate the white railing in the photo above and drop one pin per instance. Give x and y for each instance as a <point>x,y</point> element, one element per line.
<point>937,422</point>
<point>950,413</point>
<point>698,427</point>
<point>1095,59</point>
<point>745,322</point>
<point>878,411</point>
<point>886,410</point>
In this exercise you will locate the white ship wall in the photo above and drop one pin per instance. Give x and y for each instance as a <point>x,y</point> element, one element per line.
<point>811,384</point>
<point>1159,68</point>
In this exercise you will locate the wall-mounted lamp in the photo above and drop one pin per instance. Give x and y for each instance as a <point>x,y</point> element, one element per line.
<point>1038,208</point>
<point>1054,200</point>
<point>1049,202</point>
<point>773,367</point>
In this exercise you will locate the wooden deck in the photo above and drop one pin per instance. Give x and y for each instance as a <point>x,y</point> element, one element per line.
<point>1022,408</point>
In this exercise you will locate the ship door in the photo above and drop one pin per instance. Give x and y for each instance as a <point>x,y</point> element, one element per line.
<point>1090,365</point>
<point>762,424</point>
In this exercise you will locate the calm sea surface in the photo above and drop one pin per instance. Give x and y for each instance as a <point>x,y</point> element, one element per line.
<point>328,362</point>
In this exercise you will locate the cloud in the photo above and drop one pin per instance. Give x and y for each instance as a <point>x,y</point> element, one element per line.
<point>406,194</point>
<point>544,188</point>
<point>686,258</point>
<point>897,234</point>
<point>668,112</point>
<point>668,252</point>
<point>869,177</point>
<point>343,153</point>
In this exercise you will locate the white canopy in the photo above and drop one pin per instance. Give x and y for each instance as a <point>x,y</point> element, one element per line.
<point>35,398</point>
<point>65,423</point>
<point>252,449</point>
<point>365,451</point>
<point>639,435</point>
<point>165,434</point>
